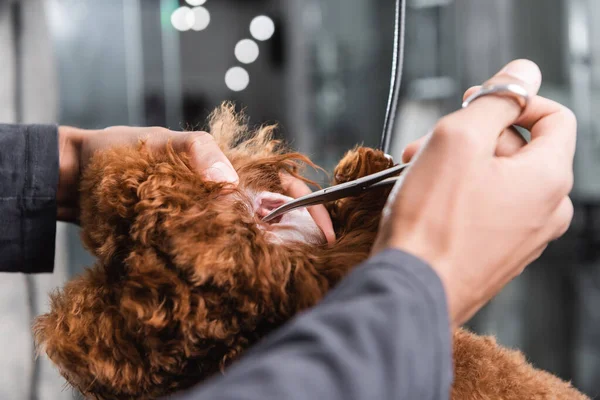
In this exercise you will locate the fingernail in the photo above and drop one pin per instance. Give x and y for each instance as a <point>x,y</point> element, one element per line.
<point>221,172</point>
<point>524,70</point>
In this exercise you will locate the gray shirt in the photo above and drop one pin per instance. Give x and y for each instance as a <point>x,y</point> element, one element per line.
<point>382,333</point>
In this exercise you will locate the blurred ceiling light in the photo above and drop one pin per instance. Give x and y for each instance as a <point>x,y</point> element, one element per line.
<point>201,18</point>
<point>237,79</point>
<point>183,19</point>
<point>246,51</point>
<point>262,28</point>
<point>195,2</point>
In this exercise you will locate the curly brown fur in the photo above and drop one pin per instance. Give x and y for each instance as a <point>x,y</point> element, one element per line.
<point>185,279</point>
<point>484,370</point>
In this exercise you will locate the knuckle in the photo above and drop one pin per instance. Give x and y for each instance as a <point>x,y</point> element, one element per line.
<point>444,127</point>
<point>556,181</point>
<point>449,130</point>
<point>116,127</point>
<point>158,130</point>
<point>565,216</point>
<point>563,182</point>
<point>198,139</point>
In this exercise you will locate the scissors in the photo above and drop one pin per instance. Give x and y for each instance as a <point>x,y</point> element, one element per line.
<point>386,177</point>
<point>383,178</point>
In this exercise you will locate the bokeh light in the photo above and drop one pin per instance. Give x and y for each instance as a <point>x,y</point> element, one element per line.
<point>237,79</point>
<point>183,19</point>
<point>201,18</point>
<point>246,51</point>
<point>262,28</point>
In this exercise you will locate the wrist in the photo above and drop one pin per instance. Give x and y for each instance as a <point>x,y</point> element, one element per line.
<point>69,153</point>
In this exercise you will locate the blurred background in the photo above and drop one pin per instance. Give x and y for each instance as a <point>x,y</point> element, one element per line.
<point>321,69</point>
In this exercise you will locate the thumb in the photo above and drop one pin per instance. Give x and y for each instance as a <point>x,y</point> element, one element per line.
<point>207,158</point>
<point>411,149</point>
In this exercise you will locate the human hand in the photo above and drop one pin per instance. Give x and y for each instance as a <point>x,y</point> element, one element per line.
<point>476,204</point>
<point>77,146</point>
<point>509,140</point>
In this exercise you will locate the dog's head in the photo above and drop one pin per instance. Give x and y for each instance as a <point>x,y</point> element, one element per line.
<point>187,274</point>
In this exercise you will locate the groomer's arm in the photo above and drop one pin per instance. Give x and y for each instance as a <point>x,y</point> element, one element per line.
<point>382,334</point>
<point>477,207</point>
<point>28,182</point>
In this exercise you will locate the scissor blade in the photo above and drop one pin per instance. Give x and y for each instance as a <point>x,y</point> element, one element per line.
<point>347,189</point>
<point>312,199</point>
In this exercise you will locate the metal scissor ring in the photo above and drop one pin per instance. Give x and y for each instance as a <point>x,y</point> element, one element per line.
<point>515,91</point>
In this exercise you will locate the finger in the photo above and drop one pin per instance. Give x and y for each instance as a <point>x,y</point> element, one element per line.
<point>470,91</point>
<point>323,221</point>
<point>500,111</point>
<point>547,161</point>
<point>488,116</point>
<point>206,156</point>
<point>553,127</point>
<point>412,148</point>
<point>296,188</point>
<point>509,143</point>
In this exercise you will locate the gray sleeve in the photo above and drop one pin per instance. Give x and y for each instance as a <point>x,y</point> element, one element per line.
<point>28,184</point>
<point>383,333</point>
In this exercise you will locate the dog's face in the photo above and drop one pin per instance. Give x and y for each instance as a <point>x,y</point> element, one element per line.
<point>188,276</point>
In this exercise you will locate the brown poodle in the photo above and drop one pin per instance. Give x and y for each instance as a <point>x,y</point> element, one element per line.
<point>187,276</point>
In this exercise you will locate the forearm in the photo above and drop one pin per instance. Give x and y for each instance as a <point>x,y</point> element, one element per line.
<point>382,334</point>
<point>28,184</point>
